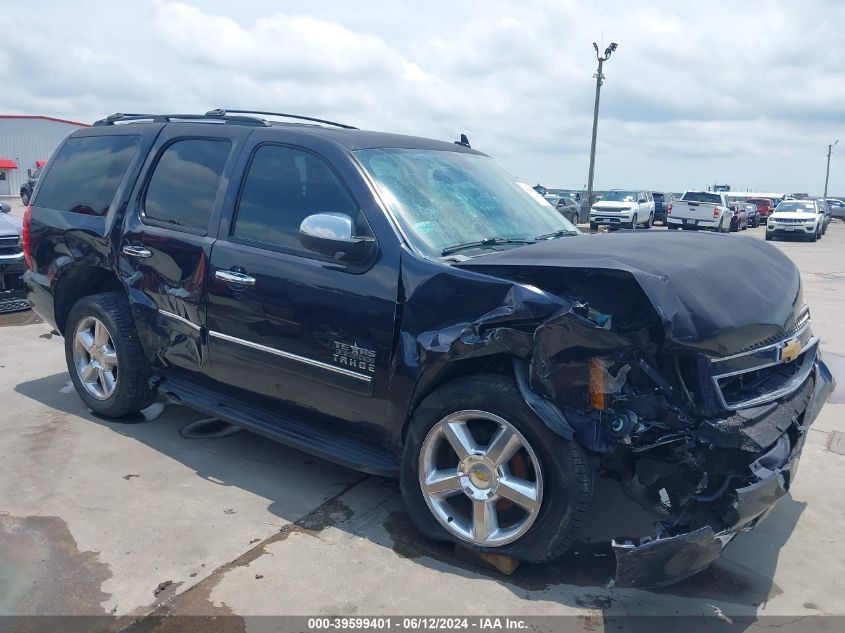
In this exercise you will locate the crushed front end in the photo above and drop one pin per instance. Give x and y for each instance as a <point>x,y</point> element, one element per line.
<point>695,396</point>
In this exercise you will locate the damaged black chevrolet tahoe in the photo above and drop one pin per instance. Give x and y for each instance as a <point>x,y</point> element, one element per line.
<point>405,307</point>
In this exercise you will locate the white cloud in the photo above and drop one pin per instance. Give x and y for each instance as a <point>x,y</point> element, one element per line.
<point>749,94</point>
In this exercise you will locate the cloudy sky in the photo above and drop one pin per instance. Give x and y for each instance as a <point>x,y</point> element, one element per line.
<point>698,92</point>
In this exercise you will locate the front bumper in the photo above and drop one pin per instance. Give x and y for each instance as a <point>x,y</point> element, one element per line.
<point>610,218</point>
<point>791,230</point>
<point>12,287</point>
<point>668,560</point>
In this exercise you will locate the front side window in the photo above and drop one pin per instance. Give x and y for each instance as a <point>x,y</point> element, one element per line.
<point>184,183</point>
<point>85,174</point>
<point>446,198</point>
<point>283,186</point>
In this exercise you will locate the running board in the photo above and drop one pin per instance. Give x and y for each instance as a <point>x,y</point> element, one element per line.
<point>343,449</point>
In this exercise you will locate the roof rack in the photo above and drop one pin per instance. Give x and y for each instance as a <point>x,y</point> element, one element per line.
<point>224,112</point>
<point>214,115</point>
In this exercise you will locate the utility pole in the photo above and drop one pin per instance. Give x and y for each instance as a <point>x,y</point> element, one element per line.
<point>599,80</point>
<point>827,173</point>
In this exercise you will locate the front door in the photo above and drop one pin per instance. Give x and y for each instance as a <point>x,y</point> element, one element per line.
<point>167,238</point>
<point>305,332</point>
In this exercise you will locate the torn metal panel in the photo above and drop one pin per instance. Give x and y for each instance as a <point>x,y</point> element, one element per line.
<point>719,318</point>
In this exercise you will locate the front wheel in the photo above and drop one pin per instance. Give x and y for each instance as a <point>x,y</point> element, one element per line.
<point>633,222</point>
<point>768,236</point>
<point>25,198</point>
<point>594,226</point>
<point>480,469</point>
<point>104,356</point>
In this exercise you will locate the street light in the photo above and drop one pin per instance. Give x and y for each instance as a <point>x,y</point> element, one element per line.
<point>827,173</point>
<point>599,80</point>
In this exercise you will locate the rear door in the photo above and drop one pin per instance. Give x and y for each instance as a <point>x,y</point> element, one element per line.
<point>168,235</point>
<point>308,334</point>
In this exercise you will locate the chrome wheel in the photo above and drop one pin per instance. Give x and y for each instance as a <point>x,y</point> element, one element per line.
<point>480,478</point>
<point>95,358</point>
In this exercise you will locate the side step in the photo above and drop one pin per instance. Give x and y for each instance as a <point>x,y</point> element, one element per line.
<point>344,449</point>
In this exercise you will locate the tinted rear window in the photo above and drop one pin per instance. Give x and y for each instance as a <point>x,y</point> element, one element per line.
<point>185,182</point>
<point>658,197</point>
<point>86,173</point>
<point>702,196</point>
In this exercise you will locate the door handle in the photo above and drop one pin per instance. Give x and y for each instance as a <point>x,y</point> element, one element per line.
<point>136,250</point>
<point>234,277</point>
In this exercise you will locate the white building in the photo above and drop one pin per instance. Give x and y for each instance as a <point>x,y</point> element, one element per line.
<point>26,142</point>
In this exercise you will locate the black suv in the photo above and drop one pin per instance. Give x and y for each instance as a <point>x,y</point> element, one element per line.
<point>28,186</point>
<point>405,307</point>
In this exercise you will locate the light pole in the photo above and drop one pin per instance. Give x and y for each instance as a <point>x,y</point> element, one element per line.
<point>599,78</point>
<point>827,173</point>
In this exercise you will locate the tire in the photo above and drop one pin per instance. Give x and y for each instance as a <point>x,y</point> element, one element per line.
<point>673,227</point>
<point>573,218</point>
<point>769,237</point>
<point>633,222</point>
<point>650,222</point>
<point>566,473</point>
<point>25,198</point>
<point>722,227</point>
<point>594,226</point>
<point>734,226</point>
<point>131,389</point>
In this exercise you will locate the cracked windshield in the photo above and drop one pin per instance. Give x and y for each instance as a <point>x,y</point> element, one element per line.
<point>445,200</point>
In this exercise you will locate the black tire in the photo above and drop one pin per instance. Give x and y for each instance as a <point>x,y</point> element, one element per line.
<point>25,198</point>
<point>573,218</point>
<point>567,472</point>
<point>633,222</point>
<point>650,222</point>
<point>769,236</point>
<point>734,226</point>
<point>133,391</point>
<point>594,226</point>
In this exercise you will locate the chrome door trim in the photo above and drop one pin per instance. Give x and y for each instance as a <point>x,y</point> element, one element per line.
<point>295,357</point>
<point>176,317</point>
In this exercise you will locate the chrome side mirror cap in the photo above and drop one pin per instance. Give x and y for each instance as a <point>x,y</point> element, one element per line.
<point>333,235</point>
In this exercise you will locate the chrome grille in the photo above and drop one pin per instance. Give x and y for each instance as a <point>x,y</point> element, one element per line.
<point>10,245</point>
<point>800,323</point>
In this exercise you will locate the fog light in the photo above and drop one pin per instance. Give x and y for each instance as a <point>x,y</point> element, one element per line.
<point>597,386</point>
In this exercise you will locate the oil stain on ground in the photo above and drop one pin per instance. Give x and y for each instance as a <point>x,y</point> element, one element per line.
<point>42,571</point>
<point>591,566</point>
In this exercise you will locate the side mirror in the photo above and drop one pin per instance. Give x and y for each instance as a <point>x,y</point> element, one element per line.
<point>333,235</point>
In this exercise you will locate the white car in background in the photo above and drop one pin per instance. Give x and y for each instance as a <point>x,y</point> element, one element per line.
<point>803,219</point>
<point>626,209</point>
<point>698,210</point>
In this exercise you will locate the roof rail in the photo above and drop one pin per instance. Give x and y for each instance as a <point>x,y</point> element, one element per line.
<point>214,115</point>
<point>224,112</point>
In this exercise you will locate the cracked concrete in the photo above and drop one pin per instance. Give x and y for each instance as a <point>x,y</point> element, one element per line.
<point>95,516</point>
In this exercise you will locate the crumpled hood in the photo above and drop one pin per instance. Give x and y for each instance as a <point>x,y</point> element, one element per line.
<point>611,205</point>
<point>698,283</point>
<point>10,225</point>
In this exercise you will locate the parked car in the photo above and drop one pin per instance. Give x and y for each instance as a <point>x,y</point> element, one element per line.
<point>405,307</point>
<point>765,207</point>
<point>569,209</point>
<point>825,208</point>
<point>739,221</point>
<point>619,208</point>
<point>752,213</point>
<point>12,267</point>
<point>803,219</point>
<point>837,208</point>
<point>28,186</point>
<point>661,204</point>
<point>701,210</point>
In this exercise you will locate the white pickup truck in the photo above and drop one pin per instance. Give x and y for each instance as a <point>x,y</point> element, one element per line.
<point>700,210</point>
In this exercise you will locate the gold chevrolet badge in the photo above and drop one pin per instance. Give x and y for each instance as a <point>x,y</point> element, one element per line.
<point>790,350</point>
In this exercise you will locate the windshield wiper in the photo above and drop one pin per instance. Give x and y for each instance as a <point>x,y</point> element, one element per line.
<point>490,241</point>
<point>558,233</point>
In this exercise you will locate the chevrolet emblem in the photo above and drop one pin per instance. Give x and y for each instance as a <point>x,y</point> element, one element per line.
<point>789,350</point>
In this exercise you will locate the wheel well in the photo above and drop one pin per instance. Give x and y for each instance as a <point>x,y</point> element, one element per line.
<point>79,283</point>
<point>434,379</point>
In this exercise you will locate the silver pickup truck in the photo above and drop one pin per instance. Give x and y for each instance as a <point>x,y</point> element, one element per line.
<point>700,210</point>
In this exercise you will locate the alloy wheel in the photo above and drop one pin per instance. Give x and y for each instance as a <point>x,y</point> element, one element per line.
<point>480,478</point>
<point>95,358</point>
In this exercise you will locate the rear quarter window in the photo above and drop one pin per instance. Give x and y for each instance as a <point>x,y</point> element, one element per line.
<point>85,174</point>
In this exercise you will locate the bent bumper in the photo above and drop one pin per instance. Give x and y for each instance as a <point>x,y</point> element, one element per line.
<point>665,561</point>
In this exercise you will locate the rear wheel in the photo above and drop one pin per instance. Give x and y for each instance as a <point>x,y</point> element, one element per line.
<point>25,198</point>
<point>650,222</point>
<point>479,468</point>
<point>104,356</point>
